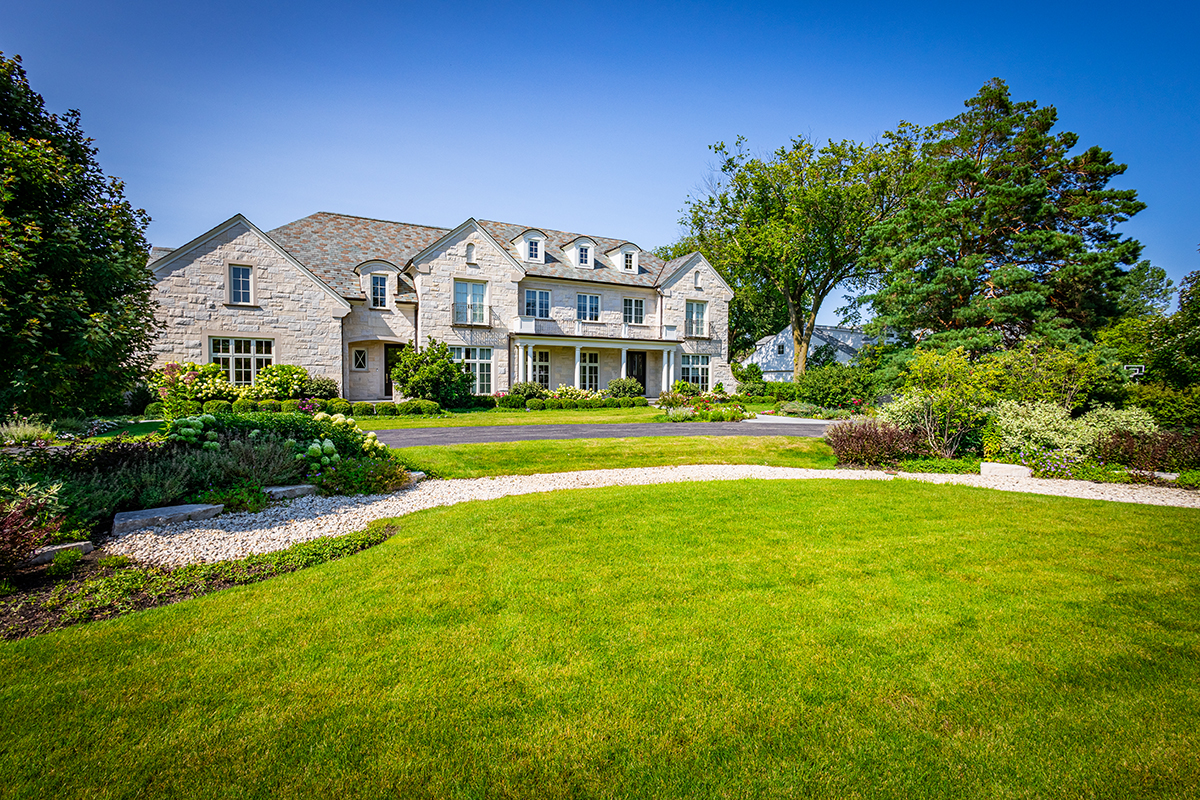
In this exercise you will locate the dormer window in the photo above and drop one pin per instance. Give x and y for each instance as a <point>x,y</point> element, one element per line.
<point>584,255</point>
<point>629,262</point>
<point>378,291</point>
<point>535,252</point>
<point>624,257</point>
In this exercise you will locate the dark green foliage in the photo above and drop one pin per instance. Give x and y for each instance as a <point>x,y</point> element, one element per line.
<point>286,406</point>
<point>270,406</point>
<point>1172,408</point>
<point>625,387</point>
<point>76,318</point>
<point>752,388</point>
<point>77,459</point>
<point>533,404</point>
<point>555,404</point>
<point>432,374</point>
<point>835,386</point>
<point>528,389</point>
<point>871,442</point>
<point>64,563</point>
<point>611,402</point>
<point>386,410</point>
<point>139,398</point>
<point>244,406</point>
<point>362,476</point>
<point>967,465</point>
<point>1010,234</point>
<point>218,407</point>
<point>23,529</point>
<point>685,388</point>
<point>627,402</point>
<point>419,407</point>
<point>1165,451</point>
<point>339,406</point>
<point>153,411</point>
<point>362,409</point>
<point>511,401</point>
<point>570,404</point>
<point>323,388</point>
<point>641,401</point>
<point>242,496</point>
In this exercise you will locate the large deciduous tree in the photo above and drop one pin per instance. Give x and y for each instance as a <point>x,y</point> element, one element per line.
<point>793,225</point>
<point>76,319</point>
<point>1010,234</point>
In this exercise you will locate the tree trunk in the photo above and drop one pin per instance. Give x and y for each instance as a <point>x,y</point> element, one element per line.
<point>802,329</point>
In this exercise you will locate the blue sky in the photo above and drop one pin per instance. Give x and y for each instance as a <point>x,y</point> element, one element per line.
<point>590,118</point>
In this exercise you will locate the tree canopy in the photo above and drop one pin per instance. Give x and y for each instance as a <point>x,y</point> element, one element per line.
<point>76,319</point>
<point>1009,234</point>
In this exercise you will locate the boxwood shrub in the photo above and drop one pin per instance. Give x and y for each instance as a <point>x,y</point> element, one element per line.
<point>627,402</point>
<point>511,401</point>
<point>535,404</point>
<point>361,409</point>
<point>286,406</point>
<point>613,402</point>
<point>338,406</point>
<point>570,404</point>
<point>385,410</point>
<point>554,403</point>
<point>270,406</point>
<point>641,401</point>
<point>244,406</point>
<point>218,407</point>
<point>422,407</point>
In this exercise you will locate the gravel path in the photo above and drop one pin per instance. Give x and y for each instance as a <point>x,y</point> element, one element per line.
<point>282,525</point>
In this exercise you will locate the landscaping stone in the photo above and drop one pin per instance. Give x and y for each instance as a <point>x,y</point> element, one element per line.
<point>286,492</point>
<point>1005,470</point>
<point>417,476</point>
<point>128,521</point>
<point>45,555</point>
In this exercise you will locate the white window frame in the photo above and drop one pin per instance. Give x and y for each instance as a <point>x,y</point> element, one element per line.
<point>539,295</point>
<point>534,249</point>
<point>780,349</point>
<point>366,359</point>
<point>478,310</point>
<point>541,368</point>
<point>689,316</point>
<point>630,313</point>
<point>583,254</point>
<point>383,291</point>
<point>480,367</point>
<point>589,317</point>
<point>241,358</point>
<point>629,261</point>
<point>589,368</point>
<point>231,281</point>
<point>695,370</point>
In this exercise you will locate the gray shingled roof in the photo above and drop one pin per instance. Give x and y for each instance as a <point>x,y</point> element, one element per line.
<point>159,252</point>
<point>332,245</point>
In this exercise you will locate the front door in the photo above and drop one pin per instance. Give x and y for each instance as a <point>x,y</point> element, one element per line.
<point>635,366</point>
<point>391,354</point>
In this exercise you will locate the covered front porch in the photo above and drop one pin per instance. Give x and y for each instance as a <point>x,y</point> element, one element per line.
<point>591,363</point>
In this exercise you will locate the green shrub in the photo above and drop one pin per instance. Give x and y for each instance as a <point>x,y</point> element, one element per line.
<point>320,405</point>
<point>362,476</point>
<point>270,406</point>
<point>338,406</point>
<point>385,410</point>
<point>534,404</point>
<point>673,400</point>
<point>483,401</point>
<point>280,382</point>
<point>244,406</point>
<point>1048,426</point>
<point>218,407</point>
<point>192,407</point>
<point>423,407</point>
<point>289,406</point>
<point>685,388</point>
<point>153,411</point>
<point>752,389</point>
<point>64,563</point>
<point>681,414</point>
<point>554,403</point>
<point>529,390</point>
<point>321,388</point>
<point>592,402</point>
<point>835,386</point>
<point>1188,480</point>
<point>23,529</point>
<point>625,387</point>
<point>242,496</point>
<point>641,401</point>
<point>24,430</point>
<point>362,409</point>
<point>626,402</point>
<point>1171,408</point>
<point>872,442</point>
<point>432,374</point>
<point>511,401</point>
<point>570,404</point>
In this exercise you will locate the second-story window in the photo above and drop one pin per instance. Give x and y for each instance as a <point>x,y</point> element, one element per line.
<point>537,303</point>
<point>694,321</point>
<point>585,254</point>
<point>378,291</point>
<point>468,302</point>
<point>534,250</point>
<point>587,307</point>
<point>635,311</point>
<point>239,285</point>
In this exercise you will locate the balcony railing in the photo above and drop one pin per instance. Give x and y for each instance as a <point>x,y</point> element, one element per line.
<point>695,329</point>
<point>474,314</point>
<point>594,330</point>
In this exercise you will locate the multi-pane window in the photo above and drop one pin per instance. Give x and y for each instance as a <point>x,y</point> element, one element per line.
<point>477,361</point>
<point>378,291</point>
<point>360,359</point>
<point>468,302</point>
<point>589,371</point>
<point>629,262</point>
<point>537,303</point>
<point>585,253</point>
<point>694,321</point>
<point>587,307</point>
<point>534,250</point>
<point>694,370</point>
<point>242,359</point>
<point>541,368</point>
<point>635,311</point>
<point>239,284</point>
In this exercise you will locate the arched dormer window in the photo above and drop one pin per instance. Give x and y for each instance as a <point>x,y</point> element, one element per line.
<point>625,257</point>
<point>531,246</point>
<point>582,253</point>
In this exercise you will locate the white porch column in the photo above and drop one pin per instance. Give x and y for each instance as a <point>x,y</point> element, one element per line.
<point>663,382</point>
<point>529,364</point>
<point>624,351</point>
<point>577,365</point>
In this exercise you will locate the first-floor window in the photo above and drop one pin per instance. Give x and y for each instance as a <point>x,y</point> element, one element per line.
<point>541,368</point>
<point>589,371</point>
<point>587,307</point>
<point>478,361</point>
<point>635,311</point>
<point>360,359</point>
<point>695,371</point>
<point>242,359</point>
<point>537,303</point>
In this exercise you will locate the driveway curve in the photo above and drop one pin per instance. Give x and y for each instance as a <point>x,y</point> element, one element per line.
<point>417,437</point>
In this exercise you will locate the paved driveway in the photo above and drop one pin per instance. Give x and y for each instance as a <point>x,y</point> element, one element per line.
<point>414,437</point>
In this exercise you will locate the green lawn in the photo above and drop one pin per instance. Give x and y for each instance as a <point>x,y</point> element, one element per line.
<point>133,429</point>
<point>566,455</point>
<point>745,639</point>
<point>468,419</point>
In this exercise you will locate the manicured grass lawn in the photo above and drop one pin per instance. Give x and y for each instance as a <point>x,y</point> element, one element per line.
<point>567,455</point>
<point>470,419</point>
<point>133,429</point>
<point>806,639</point>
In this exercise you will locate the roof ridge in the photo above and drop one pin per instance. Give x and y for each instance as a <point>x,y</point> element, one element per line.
<point>558,230</point>
<point>371,219</point>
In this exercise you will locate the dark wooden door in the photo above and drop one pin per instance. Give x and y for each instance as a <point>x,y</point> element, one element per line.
<point>635,366</point>
<point>391,354</point>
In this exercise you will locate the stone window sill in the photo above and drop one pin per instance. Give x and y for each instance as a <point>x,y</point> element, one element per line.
<point>242,305</point>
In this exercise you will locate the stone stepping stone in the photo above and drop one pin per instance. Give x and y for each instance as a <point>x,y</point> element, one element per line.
<point>45,555</point>
<point>1004,470</point>
<point>287,492</point>
<point>129,521</point>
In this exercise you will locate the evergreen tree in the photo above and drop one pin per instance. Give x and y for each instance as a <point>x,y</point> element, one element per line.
<point>76,319</point>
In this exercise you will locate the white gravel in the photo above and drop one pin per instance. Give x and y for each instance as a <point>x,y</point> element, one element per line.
<point>284,524</point>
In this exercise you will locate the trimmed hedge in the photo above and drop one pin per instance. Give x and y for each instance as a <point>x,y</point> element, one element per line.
<point>554,404</point>
<point>570,404</point>
<point>339,406</point>
<point>513,401</point>
<point>641,401</point>
<point>612,402</point>
<point>300,427</point>
<point>535,404</point>
<point>270,406</point>
<point>386,410</point>
<point>218,407</point>
<point>627,402</point>
<point>361,409</point>
<point>289,406</point>
<point>244,406</point>
<point>419,407</point>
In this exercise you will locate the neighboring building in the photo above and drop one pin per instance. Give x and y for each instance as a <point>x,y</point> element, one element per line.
<point>338,295</point>
<point>773,354</point>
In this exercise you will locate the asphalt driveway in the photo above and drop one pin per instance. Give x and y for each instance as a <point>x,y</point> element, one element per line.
<point>415,437</point>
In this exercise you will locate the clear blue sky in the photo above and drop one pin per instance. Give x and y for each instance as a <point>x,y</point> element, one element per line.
<point>591,118</point>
